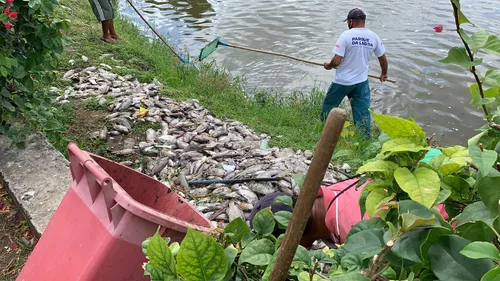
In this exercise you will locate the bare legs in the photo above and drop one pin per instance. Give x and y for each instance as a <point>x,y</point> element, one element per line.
<point>108,32</point>
<point>112,31</point>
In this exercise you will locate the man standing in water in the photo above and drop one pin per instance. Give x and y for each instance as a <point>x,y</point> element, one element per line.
<point>104,12</point>
<point>352,54</point>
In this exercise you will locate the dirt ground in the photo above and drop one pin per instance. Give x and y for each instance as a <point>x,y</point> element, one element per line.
<point>16,238</point>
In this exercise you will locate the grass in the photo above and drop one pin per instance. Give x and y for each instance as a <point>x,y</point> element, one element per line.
<point>292,121</point>
<point>16,239</point>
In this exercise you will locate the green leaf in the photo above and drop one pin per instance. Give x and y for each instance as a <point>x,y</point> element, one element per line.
<point>258,252</point>
<point>201,258</point>
<point>175,247</point>
<point>263,222</point>
<point>410,221</point>
<point>451,161</point>
<point>362,202</point>
<point>428,238</point>
<point>492,77</point>
<point>270,266</point>
<point>396,127</point>
<point>458,187</point>
<point>342,153</point>
<point>366,243</point>
<point>161,265</point>
<point>351,262</point>
<point>479,39</point>
<point>352,276</point>
<point>458,55</point>
<point>403,145</point>
<point>408,245</point>
<point>475,231</point>
<point>476,212</point>
<point>423,185</point>
<point>287,200</point>
<point>489,190</point>
<point>231,253</point>
<point>375,199</point>
<point>304,276</point>
<point>481,250</point>
<point>378,166</point>
<point>283,217</point>
<point>415,214</point>
<point>448,264</point>
<point>249,238</point>
<point>19,73</point>
<point>492,275</point>
<point>299,179</point>
<point>302,255</point>
<point>443,195</point>
<point>373,223</point>
<point>484,159</point>
<point>492,93</point>
<point>279,240</point>
<point>237,230</point>
<point>427,275</point>
<point>476,95</point>
<point>493,44</point>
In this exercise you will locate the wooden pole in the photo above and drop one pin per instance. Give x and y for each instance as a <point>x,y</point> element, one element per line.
<point>314,177</point>
<point>287,56</point>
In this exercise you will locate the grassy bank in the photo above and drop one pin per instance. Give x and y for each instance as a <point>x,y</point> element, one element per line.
<point>292,122</point>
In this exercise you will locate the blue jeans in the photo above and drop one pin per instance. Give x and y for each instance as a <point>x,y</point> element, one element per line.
<point>359,96</point>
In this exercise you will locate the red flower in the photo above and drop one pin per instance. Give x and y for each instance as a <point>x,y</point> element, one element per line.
<point>9,1</point>
<point>13,15</point>
<point>9,25</point>
<point>438,28</point>
<point>7,11</point>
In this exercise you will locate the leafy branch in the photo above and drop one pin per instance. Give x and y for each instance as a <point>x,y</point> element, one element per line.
<point>457,15</point>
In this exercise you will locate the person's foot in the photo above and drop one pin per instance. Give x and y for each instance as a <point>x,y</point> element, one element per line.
<point>116,36</point>
<point>108,39</point>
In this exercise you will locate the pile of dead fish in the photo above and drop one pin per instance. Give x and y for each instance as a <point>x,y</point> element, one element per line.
<point>185,142</point>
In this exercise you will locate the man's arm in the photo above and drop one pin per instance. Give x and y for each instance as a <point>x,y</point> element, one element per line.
<point>334,63</point>
<point>384,65</point>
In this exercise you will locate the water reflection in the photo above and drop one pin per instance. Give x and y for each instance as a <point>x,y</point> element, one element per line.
<point>195,9</point>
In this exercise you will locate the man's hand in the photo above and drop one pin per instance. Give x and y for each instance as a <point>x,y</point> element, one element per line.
<point>383,77</point>
<point>327,66</point>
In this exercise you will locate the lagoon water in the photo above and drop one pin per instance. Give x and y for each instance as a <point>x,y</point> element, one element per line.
<point>434,94</point>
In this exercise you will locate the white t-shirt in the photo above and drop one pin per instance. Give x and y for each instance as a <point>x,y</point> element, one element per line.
<point>356,46</point>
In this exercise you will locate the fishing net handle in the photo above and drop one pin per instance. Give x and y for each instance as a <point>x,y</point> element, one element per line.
<point>286,56</point>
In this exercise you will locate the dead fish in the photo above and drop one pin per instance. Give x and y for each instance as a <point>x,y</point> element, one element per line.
<point>103,133</point>
<point>262,188</point>
<point>121,129</point>
<point>181,144</point>
<point>234,212</point>
<point>162,163</point>
<point>249,196</point>
<point>199,192</point>
<point>201,139</point>
<point>150,135</point>
<point>252,170</point>
<point>201,128</point>
<point>195,167</point>
<point>124,152</point>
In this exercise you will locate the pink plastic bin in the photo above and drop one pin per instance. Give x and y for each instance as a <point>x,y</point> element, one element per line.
<point>97,230</point>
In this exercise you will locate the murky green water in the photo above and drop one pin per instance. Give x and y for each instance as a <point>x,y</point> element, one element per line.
<point>434,94</point>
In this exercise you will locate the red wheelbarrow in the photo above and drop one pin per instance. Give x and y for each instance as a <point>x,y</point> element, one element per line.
<point>97,230</point>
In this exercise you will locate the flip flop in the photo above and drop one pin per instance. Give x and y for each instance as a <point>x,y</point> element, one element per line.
<point>106,40</point>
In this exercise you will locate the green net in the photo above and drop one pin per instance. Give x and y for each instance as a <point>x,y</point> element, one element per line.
<point>209,49</point>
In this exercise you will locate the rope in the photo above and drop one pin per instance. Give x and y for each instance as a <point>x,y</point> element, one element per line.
<point>155,32</point>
